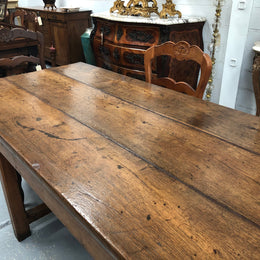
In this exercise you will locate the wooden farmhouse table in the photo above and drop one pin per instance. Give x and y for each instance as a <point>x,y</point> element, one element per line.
<point>133,170</point>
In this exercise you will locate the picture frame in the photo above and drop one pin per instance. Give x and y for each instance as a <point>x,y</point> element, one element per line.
<point>3,6</point>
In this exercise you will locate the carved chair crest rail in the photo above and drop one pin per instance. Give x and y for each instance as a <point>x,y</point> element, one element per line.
<point>180,51</point>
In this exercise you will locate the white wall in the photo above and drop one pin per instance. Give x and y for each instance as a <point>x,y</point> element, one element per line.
<point>205,8</point>
<point>237,36</point>
<point>245,98</point>
<point>95,5</point>
<point>30,2</point>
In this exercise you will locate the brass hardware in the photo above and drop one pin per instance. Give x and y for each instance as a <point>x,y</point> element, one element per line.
<point>102,37</point>
<point>169,8</point>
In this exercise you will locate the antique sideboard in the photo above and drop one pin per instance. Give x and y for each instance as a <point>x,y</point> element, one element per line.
<point>63,30</point>
<point>119,43</point>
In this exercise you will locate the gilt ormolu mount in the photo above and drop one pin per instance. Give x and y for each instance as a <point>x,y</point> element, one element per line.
<point>144,8</point>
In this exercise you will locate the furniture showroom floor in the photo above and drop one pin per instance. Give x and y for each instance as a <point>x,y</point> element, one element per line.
<point>49,239</point>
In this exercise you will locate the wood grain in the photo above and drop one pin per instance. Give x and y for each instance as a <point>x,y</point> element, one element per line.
<point>160,141</point>
<point>146,184</point>
<point>233,126</point>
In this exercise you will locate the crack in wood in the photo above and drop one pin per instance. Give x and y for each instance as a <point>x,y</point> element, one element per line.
<point>49,134</point>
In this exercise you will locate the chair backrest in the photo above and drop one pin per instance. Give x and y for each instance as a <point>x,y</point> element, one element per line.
<point>19,34</point>
<point>25,19</point>
<point>181,51</point>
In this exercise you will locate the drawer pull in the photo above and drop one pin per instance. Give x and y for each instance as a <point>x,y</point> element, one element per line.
<point>102,37</point>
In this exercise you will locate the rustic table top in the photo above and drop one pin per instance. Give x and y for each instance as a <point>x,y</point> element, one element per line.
<point>151,173</point>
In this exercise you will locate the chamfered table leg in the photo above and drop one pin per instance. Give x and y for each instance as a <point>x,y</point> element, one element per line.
<point>14,199</point>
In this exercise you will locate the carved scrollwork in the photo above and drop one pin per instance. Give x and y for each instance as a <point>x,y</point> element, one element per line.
<point>169,9</point>
<point>135,7</point>
<point>118,6</point>
<point>6,35</point>
<point>182,49</point>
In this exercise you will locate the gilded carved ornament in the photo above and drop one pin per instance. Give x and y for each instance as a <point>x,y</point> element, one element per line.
<point>144,8</point>
<point>169,9</point>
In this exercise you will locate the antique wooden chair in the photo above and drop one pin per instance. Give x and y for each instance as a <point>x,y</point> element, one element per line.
<point>180,51</point>
<point>26,19</point>
<point>17,36</point>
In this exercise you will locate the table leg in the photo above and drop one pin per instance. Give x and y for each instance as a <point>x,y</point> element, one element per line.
<point>14,200</point>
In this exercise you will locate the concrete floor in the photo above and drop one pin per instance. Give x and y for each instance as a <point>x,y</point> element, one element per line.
<point>49,239</point>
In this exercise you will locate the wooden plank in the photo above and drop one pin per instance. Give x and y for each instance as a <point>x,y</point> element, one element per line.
<point>134,209</point>
<point>207,116</point>
<point>66,213</point>
<point>218,169</point>
<point>30,169</point>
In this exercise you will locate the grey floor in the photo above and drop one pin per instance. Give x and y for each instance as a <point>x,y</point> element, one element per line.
<point>49,239</point>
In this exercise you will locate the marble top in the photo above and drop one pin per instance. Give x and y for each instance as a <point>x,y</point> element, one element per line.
<point>154,19</point>
<point>256,47</point>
